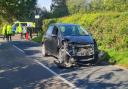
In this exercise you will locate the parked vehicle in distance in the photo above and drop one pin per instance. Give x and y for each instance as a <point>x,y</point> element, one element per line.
<point>70,43</point>
<point>30,25</point>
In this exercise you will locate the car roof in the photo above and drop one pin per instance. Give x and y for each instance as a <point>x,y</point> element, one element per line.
<point>64,24</point>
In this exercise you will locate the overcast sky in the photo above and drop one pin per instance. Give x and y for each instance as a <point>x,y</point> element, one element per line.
<point>44,3</point>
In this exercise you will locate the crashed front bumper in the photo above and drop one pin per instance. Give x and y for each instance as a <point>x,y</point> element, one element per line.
<point>81,52</point>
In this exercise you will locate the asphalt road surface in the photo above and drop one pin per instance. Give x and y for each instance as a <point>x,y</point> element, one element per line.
<point>23,67</point>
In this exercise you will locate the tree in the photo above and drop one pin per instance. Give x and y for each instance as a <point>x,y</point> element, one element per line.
<point>59,8</point>
<point>17,9</point>
<point>43,14</point>
<point>75,6</point>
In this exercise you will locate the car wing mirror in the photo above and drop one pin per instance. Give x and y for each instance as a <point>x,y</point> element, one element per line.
<point>54,35</point>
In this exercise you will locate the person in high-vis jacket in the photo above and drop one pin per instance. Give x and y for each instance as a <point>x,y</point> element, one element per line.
<point>9,32</point>
<point>4,31</point>
<point>24,28</point>
<point>19,30</point>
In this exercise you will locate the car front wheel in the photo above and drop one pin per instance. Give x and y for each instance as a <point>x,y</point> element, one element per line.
<point>63,59</point>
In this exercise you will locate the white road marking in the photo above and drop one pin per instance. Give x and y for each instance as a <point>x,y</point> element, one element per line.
<point>54,73</point>
<point>58,76</point>
<point>19,49</point>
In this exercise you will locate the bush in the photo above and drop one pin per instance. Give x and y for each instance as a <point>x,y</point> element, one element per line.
<point>37,39</point>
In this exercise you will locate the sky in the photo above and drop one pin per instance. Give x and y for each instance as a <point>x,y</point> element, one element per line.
<point>44,3</point>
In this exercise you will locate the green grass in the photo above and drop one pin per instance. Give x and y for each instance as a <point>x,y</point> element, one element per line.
<point>0,31</point>
<point>121,57</point>
<point>37,39</point>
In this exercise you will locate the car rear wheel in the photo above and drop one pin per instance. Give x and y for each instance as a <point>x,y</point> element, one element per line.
<point>44,52</point>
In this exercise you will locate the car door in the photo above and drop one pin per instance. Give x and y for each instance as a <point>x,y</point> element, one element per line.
<point>48,38</point>
<point>54,41</point>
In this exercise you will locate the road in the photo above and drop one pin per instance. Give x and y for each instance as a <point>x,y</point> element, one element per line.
<point>23,67</point>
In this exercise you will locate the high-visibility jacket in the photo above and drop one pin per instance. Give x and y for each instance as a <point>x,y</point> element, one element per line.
<point>4,30</point>
<point>9,29</point>
<point>19,29</point>
<point>33,25</point>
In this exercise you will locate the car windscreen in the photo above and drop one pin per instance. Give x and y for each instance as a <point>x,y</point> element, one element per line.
<point>73,30</point>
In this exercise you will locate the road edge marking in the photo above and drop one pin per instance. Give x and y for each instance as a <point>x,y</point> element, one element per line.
<point>18,48</point>
<point>54,73</point>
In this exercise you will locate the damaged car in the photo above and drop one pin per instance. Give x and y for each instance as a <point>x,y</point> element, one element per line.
<point>70,44</point>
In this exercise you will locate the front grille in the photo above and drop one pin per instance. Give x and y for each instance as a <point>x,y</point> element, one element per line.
<point>83,50</point>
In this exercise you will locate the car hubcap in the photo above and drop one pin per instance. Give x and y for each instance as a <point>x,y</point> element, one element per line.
<point>61,56</point>
<point>63,59</point>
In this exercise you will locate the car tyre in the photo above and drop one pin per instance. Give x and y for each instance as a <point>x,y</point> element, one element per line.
<point>63,59</point>
<point>44,52</point>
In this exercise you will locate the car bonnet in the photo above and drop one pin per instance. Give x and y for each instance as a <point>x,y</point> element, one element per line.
<point>80,39</point>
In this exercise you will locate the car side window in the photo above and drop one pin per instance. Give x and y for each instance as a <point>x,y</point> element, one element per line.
<point>55,30</point>
<point>49,31</point>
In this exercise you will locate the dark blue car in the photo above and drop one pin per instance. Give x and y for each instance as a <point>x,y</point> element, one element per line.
<point>70,44</point>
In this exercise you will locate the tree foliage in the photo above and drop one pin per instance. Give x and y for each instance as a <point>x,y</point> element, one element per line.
<point>17,9</point>
<point>109,5</point>
<point>76,6</point>
<point>43,14</point>
<point>59,8</point>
